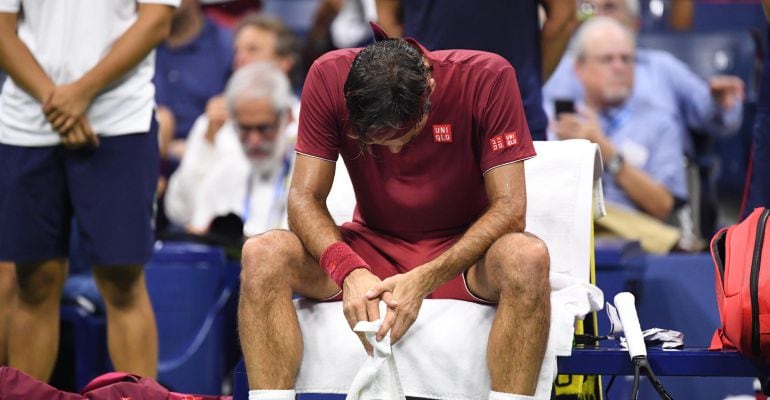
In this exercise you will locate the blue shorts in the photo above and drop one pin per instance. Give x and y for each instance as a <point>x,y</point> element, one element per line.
<point>109,190</point>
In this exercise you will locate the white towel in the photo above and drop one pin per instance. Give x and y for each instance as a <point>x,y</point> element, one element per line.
<point>570,299</point>
<point>378,377</point>
<point>443,355</point>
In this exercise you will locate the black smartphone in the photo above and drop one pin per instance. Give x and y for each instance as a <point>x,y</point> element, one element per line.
<point>564,106</point>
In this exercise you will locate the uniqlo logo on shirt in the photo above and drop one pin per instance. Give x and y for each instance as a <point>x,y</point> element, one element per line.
<point>503,141</point>
<point>442,133</point>
<point>497,143</point>
<point>510,139</point>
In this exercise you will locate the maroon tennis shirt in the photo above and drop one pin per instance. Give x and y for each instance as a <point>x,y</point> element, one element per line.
<point>434,187</point>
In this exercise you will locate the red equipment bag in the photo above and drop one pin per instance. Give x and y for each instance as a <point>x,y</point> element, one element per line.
<point>16,385</point>
<point>741,255</point>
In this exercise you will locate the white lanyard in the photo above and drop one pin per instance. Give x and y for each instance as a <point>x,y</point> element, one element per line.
<point>278,204</point>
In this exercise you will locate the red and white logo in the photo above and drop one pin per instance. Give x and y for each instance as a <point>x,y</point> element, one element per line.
<point>503,141</point>
<point>510,139</point>
<point>442,133</point>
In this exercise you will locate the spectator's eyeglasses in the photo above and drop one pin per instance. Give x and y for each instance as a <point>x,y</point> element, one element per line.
<point>608,59</point>
<point>262,129</point>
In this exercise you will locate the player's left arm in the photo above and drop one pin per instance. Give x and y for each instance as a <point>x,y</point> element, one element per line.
<point>508,204</point>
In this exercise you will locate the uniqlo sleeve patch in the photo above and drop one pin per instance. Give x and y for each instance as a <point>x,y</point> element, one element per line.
<point>497,143</point>
<point>442,133</point>
<point>503,141</point>
<point>510,139</point>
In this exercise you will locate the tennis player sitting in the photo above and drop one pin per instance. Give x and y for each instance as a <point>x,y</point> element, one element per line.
<point>434,143</point>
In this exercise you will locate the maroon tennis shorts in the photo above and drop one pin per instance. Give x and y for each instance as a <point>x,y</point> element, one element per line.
<point>388,255</point>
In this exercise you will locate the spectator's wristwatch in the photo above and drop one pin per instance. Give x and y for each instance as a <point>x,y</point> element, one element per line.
<point>615,163</point>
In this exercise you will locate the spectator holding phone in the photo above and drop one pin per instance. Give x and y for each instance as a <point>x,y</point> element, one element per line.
<point>644,165</point>
<point>714,107</point>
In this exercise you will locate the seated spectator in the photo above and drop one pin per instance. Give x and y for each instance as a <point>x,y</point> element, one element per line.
<point>192,65</point>
<point>246,172</point>
<point>713,107</point>
<point>644,165</point>
<point>258,37</point>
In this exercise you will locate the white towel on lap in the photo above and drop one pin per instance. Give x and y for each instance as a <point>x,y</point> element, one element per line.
<point>443,355</point>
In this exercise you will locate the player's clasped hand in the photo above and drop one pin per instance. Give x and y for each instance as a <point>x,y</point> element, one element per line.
<point>355,304</point>
<point>403,295</point>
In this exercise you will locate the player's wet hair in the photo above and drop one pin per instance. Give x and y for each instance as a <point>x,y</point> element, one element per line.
<point>387,90</point>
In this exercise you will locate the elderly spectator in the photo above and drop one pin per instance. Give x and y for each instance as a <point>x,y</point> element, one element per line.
<point>644,167</point>
<point>247,172</point>
<point>258,37</point>
<point>714,107</point>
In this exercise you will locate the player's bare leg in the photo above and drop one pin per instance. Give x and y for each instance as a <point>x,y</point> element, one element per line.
<point>275,264</point>
<point>514,272</point>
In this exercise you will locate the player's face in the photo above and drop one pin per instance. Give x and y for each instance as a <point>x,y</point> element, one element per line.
<point>401,139</point>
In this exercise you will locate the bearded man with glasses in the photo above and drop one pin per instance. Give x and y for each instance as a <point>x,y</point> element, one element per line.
<point>246,174</point>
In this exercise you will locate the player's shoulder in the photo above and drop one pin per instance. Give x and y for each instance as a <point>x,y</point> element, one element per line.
<point>473,59</point>
<point>336,58</point>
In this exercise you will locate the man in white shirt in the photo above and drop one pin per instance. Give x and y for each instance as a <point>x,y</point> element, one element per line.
<point>246,171</point>
<point>78,138</point>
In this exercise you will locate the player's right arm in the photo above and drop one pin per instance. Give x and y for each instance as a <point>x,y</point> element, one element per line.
<point>310,220</point>
<point>308,216</point>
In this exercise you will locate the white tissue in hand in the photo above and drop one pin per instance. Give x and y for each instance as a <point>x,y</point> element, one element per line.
<point>378,377</point>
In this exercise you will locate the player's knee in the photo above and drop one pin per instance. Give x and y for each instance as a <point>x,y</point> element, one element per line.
<point>523,263</point>
<point>267,259</point>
